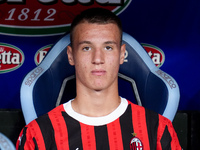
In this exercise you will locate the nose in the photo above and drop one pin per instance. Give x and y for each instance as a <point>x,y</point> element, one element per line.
<point>98,56</point>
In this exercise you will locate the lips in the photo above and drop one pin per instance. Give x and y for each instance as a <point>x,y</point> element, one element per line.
<point>98,72</point>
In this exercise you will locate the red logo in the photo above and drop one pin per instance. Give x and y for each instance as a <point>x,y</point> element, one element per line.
<point>156,54</point>
<point>136,144</point>
<point>41,53</point>
<point>48,17</point>
<point>11,58</point>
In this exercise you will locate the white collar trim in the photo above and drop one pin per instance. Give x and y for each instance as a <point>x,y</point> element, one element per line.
<point>97,121</point>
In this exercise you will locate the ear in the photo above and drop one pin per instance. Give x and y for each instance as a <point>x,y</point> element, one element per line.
<point>122,53</point>
<point>70,55</point>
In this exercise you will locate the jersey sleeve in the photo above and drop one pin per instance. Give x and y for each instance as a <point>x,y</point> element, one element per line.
<point>166,136</point>
<point>25,141</point>
<point>30,138</point>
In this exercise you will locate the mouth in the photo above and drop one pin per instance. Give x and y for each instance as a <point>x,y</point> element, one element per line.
<point>98,72</point>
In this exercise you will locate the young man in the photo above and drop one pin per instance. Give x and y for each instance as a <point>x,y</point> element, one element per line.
<point>98,118</point>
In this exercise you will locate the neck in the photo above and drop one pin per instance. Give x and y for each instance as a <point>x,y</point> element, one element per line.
<point>96,103</point>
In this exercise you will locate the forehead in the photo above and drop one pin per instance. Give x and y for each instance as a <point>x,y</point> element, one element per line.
<point>94,31</point>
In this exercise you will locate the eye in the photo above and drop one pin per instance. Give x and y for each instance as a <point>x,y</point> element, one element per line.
<point>87,48</point>
<point>108,48</point>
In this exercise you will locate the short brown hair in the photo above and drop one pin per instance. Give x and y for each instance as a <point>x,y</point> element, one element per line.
<point>96,15</point>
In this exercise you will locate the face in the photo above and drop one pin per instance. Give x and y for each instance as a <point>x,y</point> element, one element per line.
<point>96,54</point>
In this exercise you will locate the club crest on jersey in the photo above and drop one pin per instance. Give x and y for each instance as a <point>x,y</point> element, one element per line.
<point>135,143</point>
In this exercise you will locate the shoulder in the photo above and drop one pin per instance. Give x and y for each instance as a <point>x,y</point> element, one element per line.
<point>150,115</point>
<point>46,118</point>
<point>57,110</point>
<point>140,109</point>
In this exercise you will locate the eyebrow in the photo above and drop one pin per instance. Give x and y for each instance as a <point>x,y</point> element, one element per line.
<point>88,42</point>
<point>110,42</point>
<point>84,42</point>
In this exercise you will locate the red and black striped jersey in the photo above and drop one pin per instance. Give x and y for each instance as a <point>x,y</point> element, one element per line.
<point>129,127</point>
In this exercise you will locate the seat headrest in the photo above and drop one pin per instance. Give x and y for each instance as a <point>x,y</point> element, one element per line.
<point>41,87</point>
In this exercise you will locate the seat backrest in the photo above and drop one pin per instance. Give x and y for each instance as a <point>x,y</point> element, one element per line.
<point>43,88</point>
